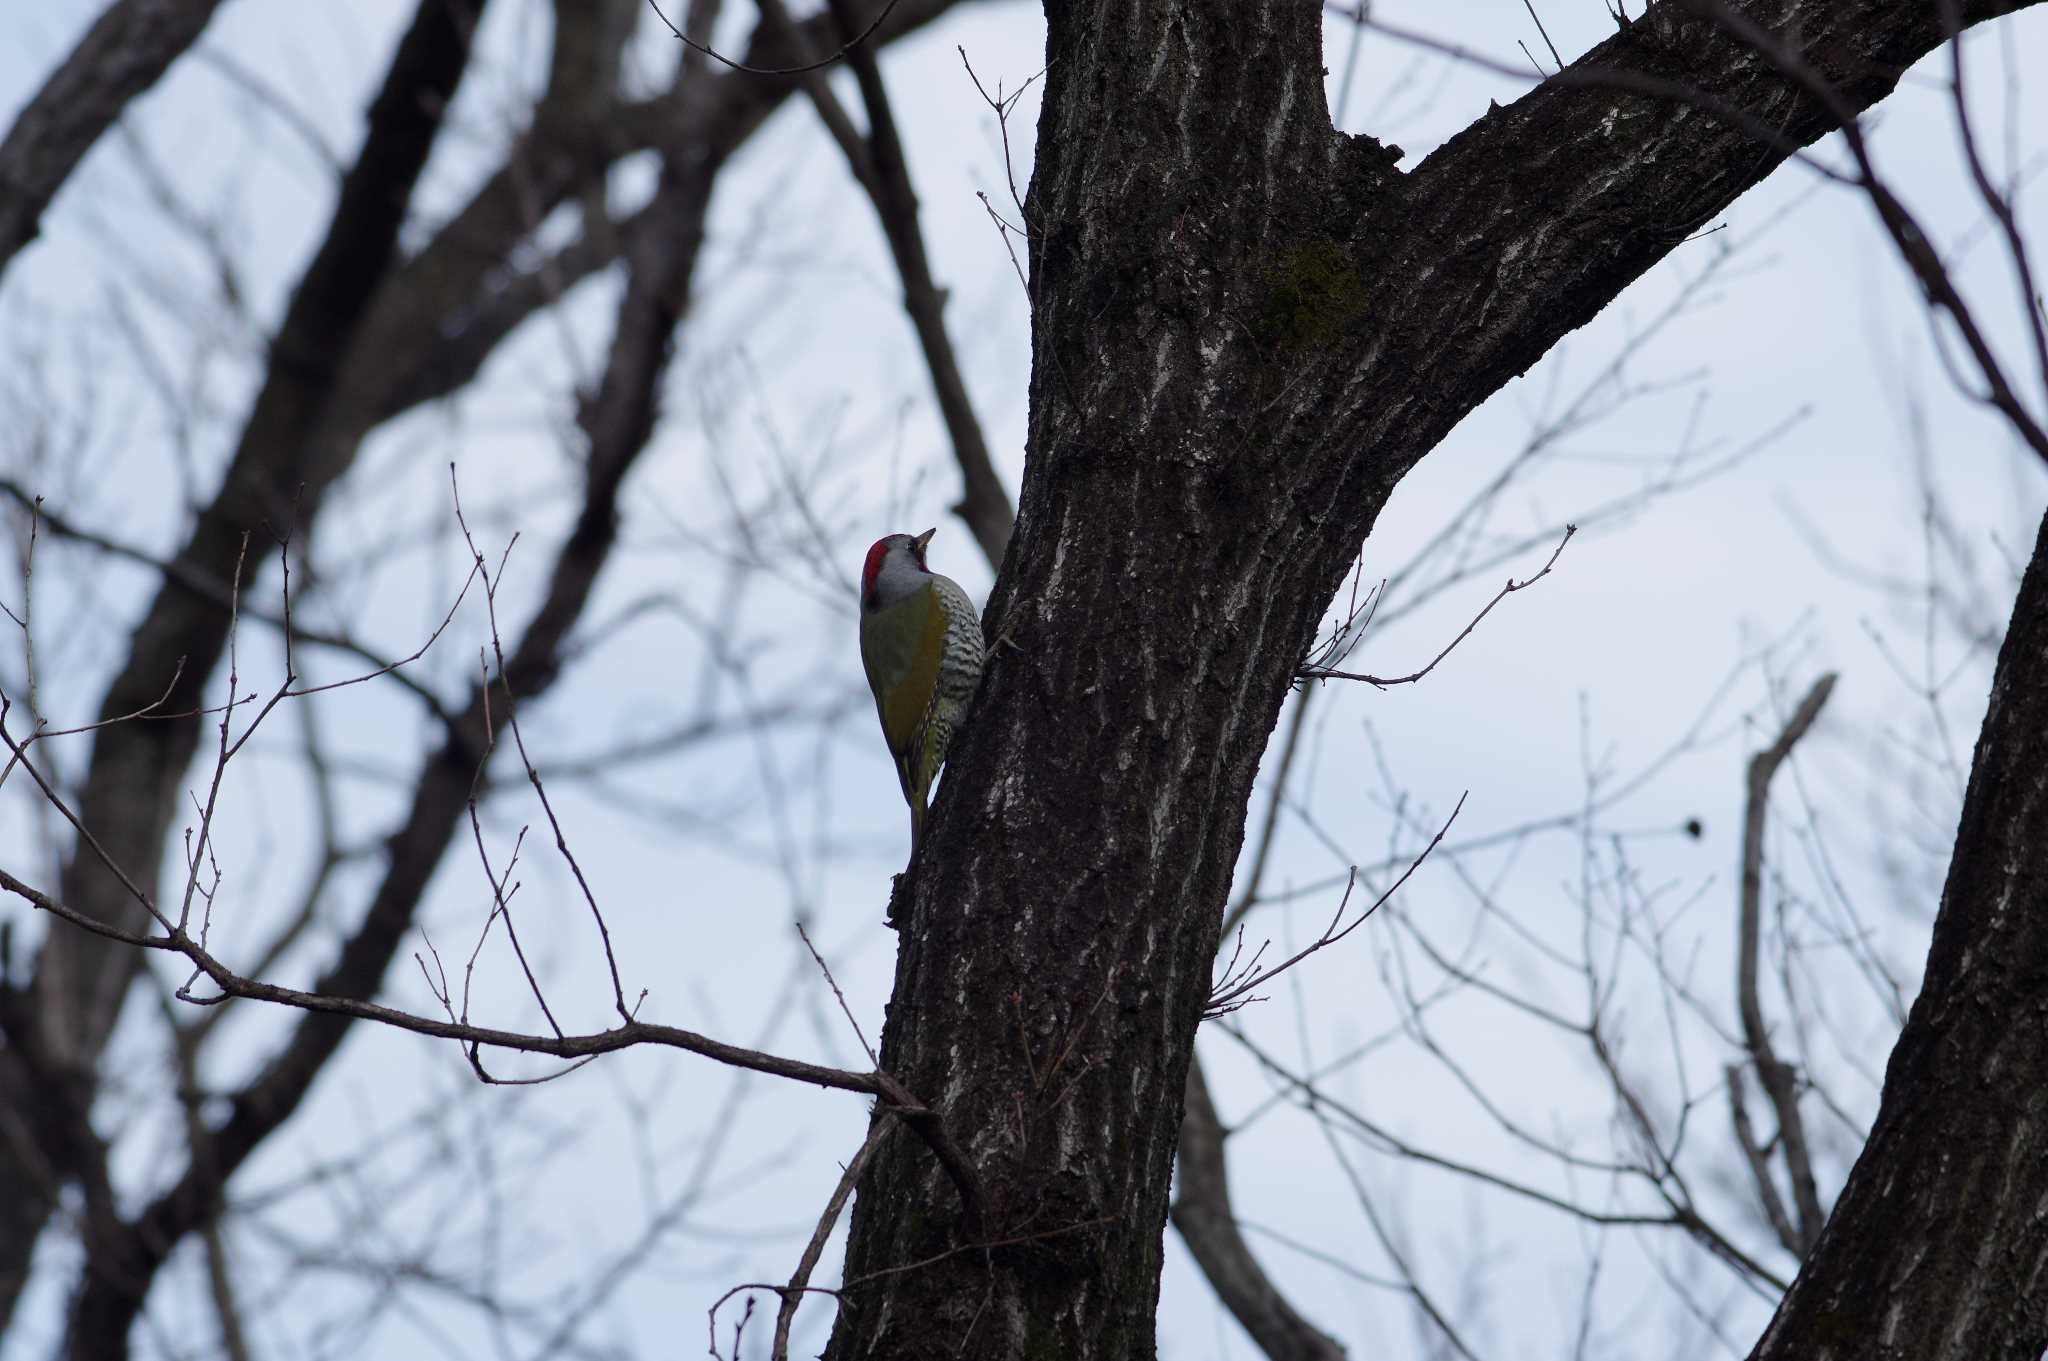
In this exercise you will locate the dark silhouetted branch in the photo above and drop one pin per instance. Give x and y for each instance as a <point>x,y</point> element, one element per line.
<point>1780,1081</point>
<point>128,47</point>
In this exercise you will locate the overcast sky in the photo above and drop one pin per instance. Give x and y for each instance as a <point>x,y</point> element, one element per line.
<point>1692,618</point>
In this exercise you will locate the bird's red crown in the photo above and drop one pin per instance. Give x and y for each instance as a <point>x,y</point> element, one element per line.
<point>878,551</point>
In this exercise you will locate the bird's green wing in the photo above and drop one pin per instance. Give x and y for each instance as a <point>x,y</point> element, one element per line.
<point>900,647</point>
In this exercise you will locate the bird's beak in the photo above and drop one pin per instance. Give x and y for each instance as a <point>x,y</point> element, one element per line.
<point>919,543</point>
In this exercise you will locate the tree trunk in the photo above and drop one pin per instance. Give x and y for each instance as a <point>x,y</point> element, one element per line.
<point>1246,328</point>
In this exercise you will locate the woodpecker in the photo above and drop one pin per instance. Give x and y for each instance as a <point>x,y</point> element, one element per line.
<point>920,641</point>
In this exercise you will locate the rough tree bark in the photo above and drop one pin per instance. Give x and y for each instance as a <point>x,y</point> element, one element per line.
<point>1246,328</point>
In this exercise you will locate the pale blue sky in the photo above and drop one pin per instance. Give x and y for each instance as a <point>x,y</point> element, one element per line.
<point>798,344</point>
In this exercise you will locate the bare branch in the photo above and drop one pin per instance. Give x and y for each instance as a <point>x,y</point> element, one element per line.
<point>1322,667</point>
<point>799,1281</point>
<point>845,1010</point>
<point>176,941</point>
<point>1208,1225</point>
<point>852,44</point>
<point>879,165</point>
<point>1234,993</point>
<point>1780,1081</point>
<point>1528,5</point>
<point>126,50</point>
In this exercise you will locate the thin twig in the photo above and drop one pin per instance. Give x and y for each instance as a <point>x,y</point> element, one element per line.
<point>799,1281</point>
<point>1311,671</point>
<point>210,589</point>
<point>519,741</point>
<point>822,62</point>
<point>845,1010</point>
<point>1528,5</point>
<point>1230,997</point>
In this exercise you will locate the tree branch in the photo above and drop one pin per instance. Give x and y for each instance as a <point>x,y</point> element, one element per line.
<point>799,1281</point>
<point>348,354</point>
<point>878,165</point>
<point>627,1035</point>
<point>130,791</point>
<point>1702,117</point>
<point>1934,1250</point>
<point>1780,1081</point>
<point>128,47</point>
<point>1207,1224</point>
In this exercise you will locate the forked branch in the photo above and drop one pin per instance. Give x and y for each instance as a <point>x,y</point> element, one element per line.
<point>1322,663</point>
<point>1236,988</point>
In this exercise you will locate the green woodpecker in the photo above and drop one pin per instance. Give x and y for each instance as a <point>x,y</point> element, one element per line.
<point>920,640</point>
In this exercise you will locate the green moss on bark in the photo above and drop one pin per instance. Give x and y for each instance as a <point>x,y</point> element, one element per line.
<point>1314,292</point>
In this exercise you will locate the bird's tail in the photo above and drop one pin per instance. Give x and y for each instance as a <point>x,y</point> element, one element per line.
<point>930,746</point>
